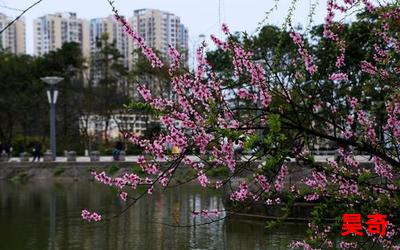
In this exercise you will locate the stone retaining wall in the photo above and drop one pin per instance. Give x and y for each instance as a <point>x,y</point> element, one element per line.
<point>64,170</point>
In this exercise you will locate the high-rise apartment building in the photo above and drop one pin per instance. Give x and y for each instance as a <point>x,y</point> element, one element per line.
<point>52,31</point>
<point>109,28</point>
<point>115,33</point>
<point>160,28</point>
<point>13,38</point>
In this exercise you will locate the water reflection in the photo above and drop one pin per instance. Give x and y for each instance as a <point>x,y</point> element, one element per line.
<point>45,215</point>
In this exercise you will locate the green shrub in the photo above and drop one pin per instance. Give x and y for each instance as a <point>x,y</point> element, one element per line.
<point>58,171</point>
<point>20,178</point>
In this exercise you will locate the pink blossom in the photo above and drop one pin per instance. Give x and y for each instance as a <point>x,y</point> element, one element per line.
<point>229,155</point>
<point>311,197</point>
<point>382,169</point>
<point>353,102</point>
<point>308,61</point>
<point>225,28</point>
<point>86,215</point>
<point>368,68</point>
<point>103,178</point>
<point>147,51</point>
<point>283,172</point>
<point>202,179</point>
<point>205,213</point>
<point>175,57</point>
<point>123,196</point>
<point>241,194</point>
<point>338,77</point>
<point>144,92</point>
<point>300,245</point>
<point>262,181</point>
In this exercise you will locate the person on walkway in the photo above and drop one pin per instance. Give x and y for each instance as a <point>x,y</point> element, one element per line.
<point>119,146</point>
<point>37,147</point>
<point>8,149</point>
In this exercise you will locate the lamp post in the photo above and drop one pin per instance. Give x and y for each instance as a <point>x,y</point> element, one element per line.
<point>52,94</point>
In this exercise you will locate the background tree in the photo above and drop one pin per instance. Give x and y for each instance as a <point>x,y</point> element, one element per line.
<point>109,79</point>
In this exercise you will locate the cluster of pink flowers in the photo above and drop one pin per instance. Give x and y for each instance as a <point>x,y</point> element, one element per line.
<point>300,245</point>
<point>175,57</point>
<point>103,178</point>
<point>348,158</point>
<point>380,54</point>
<point>243,93</point>
<point>225,28</point>
<point>218,184</point>
<point>328,33</point>
<point>241,60</point>
<point>263,182</point>
<point>367,67</point>
<point>131,180</point>
<point>144,92</point>
<point>338,77</point>
<point>347,188</point>
<point>146,50</point>
<point>88,216</point>
<point>348,245</point>
<point>368,4</point>
<point>279,184</point>
<point>393,122</point>
<point>202,178</point>
<point>308,61</point>
<point>368,125</point>
<point>382,169</point>
<point>176,137</point>
<point>353,102</point>
<point>242,193</point>
<point>311,197</point>
<point>205,213</point>
<point>228,154</point>
<point>341,57</point>
<point>220,44</point>
<point>318,180</point>
<point>202,139</point>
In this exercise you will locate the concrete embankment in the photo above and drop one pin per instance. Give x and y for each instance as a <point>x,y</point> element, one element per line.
<point>59,170</point>
<point>81,170</point>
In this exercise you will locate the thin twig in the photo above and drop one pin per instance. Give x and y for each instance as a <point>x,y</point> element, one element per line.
<point>19,16</point>
<point>10,8</point>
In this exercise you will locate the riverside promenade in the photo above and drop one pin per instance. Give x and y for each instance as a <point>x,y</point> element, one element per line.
<point>81,167</point>
<point>134,158</point>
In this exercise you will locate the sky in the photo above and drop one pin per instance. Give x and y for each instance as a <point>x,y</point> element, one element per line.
<point>200,16</point>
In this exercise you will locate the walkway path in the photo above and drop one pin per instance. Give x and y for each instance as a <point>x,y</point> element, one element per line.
<point>134,158</point>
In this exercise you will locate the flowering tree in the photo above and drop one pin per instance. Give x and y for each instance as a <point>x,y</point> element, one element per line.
<point>276,107</point>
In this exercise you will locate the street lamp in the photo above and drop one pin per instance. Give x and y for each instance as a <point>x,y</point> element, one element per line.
<point>52,94</point>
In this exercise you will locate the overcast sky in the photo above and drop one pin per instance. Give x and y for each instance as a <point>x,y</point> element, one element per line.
<point>200,16</point>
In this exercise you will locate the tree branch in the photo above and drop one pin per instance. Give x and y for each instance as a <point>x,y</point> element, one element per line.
<point>19,16</point>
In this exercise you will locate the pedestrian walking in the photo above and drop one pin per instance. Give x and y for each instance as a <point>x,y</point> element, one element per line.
<point>8,149</point>
<point>119,146</point>
<point>36,151</point>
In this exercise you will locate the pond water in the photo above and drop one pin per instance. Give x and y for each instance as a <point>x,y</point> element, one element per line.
<point>46,215</point>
